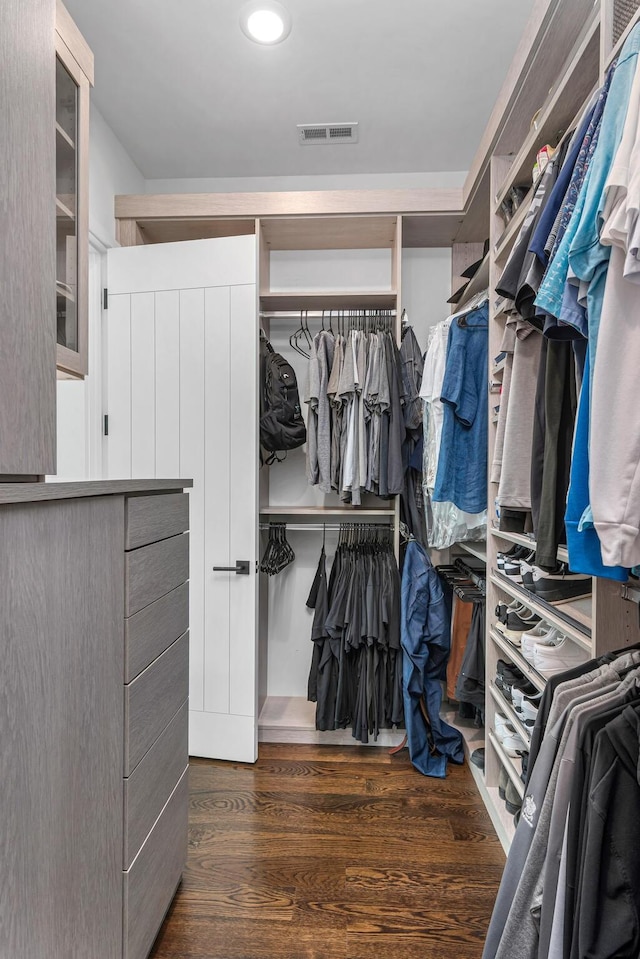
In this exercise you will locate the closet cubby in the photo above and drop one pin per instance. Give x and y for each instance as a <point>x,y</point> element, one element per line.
<point>316,270</point>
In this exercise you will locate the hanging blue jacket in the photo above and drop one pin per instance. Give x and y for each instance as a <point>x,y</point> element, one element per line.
<point>425,638</point>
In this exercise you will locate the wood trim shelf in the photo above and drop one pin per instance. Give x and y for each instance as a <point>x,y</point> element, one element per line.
<point>348,300</point>
<point>64,136</point>
<point>64,209</point>
<point>521,539</point>
<point>67,293</point>
<point>479,550</point>
<point>518,659</point>
<point>512,229</point>
<point>579,634</point>
<point>570,93</point>
<point>507,763</point>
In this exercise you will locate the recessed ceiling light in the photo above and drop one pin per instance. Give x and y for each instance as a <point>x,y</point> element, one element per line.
<point>265,21</point>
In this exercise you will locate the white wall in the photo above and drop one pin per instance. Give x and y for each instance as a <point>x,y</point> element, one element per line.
<point>111,171</point>
<point>426,287</point>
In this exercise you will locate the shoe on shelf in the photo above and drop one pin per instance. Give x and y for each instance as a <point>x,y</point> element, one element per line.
<point>563,654</point>
<point>560,585</point>
<point>544,634</point>
<point>503,779</point>
<point>514,745</point>
<point>512,799</point>
<point>503,728</point>
<point>529,713</point>
<point>516,552</point>
<point>515,625</point>
<point>477,758</point>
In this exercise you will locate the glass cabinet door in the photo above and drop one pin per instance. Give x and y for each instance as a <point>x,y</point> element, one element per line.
<point>66,207</point>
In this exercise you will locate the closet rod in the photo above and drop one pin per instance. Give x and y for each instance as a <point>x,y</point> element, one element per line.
<point>320,527</point>
<point>319,314</point>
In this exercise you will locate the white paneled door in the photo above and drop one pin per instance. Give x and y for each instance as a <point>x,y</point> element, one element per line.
<point>181,400</point>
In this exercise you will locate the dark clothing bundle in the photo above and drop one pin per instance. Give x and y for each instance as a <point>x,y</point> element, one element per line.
<point>411,499</point>
<point>571,886</point>
<point>355,676</point>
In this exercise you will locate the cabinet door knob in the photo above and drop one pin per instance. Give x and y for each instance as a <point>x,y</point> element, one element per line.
<point>241,567</point>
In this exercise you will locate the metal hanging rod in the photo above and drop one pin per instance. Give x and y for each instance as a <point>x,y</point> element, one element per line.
<point>319,314</point>
<point>321,527</point>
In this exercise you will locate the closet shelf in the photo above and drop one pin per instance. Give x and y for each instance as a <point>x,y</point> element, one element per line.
<point>518,659</point>
<point>508,763</point>
<point>521,539</point>
<point>567,623</point>
<point>63,209</point>
<point>330,300</point>
<point>352,512</point>
<point>64,138</point>
<point>512,229</point>
<point>479,550</point>
<point>558,114</point>
<point>507,710</point>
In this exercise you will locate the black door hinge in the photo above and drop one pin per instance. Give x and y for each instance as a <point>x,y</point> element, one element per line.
<point>106,424</point>
<point>105,299</point>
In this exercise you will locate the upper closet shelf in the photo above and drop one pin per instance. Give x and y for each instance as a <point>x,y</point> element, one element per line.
<point>578,79</point>
<point>329,232</point>
<point>328,301</point>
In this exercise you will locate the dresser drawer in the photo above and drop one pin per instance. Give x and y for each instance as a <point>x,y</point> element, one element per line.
<point>152,699</point>
<point>149,519</point>
<point>152,782</point>
<point>152,571</point>
<point>150,883</point>
<point>153,629</point>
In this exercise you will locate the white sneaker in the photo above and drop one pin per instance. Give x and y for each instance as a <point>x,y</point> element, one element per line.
<point>564,654</point>
<point>544,634</point>
<point>514,745</point>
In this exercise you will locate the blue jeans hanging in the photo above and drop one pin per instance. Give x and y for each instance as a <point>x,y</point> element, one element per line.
<point>425,638</point>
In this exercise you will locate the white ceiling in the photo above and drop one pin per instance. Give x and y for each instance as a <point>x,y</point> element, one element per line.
<point>188,95</point>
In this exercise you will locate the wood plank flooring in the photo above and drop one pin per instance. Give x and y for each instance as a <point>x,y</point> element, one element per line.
<point>319,852</point>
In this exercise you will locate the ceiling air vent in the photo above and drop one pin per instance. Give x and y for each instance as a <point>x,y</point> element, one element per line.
<point>328,133</point>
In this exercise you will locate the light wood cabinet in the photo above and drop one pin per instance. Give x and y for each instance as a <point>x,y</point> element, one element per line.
<point>73,79</point>
<point>27,252</point>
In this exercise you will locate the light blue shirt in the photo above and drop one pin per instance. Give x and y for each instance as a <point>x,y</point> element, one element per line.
<point>588,258</point>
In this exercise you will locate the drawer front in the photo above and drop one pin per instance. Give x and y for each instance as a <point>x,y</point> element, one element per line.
<point>153,629</point>
<point>149,519</point>
<point>152,782</point>
<point>152,699</point>
<point>150,883</point>
<point>154,570</point>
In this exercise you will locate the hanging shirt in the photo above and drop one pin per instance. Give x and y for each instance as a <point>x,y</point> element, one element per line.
<point>319,418</point>
<point>462,467</point>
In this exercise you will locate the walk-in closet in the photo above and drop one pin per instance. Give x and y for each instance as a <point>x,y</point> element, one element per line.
<point>319,499</point>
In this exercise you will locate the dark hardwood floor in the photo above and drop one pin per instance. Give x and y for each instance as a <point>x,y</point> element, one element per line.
<point>333,853</point>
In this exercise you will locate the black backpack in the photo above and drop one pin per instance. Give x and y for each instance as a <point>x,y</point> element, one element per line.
<point>281,425</point>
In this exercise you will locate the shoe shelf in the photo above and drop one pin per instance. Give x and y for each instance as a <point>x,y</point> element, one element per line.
<point>512,766</point>
<point>505,707</point>
<point>577,631</point>
<point>501,819</point>
<point>518,660</point>
<point>522,539</point>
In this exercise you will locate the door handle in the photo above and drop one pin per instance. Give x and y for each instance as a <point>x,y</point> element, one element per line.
<point>241,567</point>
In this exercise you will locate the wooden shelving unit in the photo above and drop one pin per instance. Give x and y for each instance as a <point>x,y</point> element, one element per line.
<point>571,627</point>
<point>348,300</point>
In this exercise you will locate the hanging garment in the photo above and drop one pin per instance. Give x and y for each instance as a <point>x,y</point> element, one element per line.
<point>462,616</point>
<point>470,685</point>
<point>425,642</point>
<point>319,419</point>
<point>462,465</point>
<point>356,662</point>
